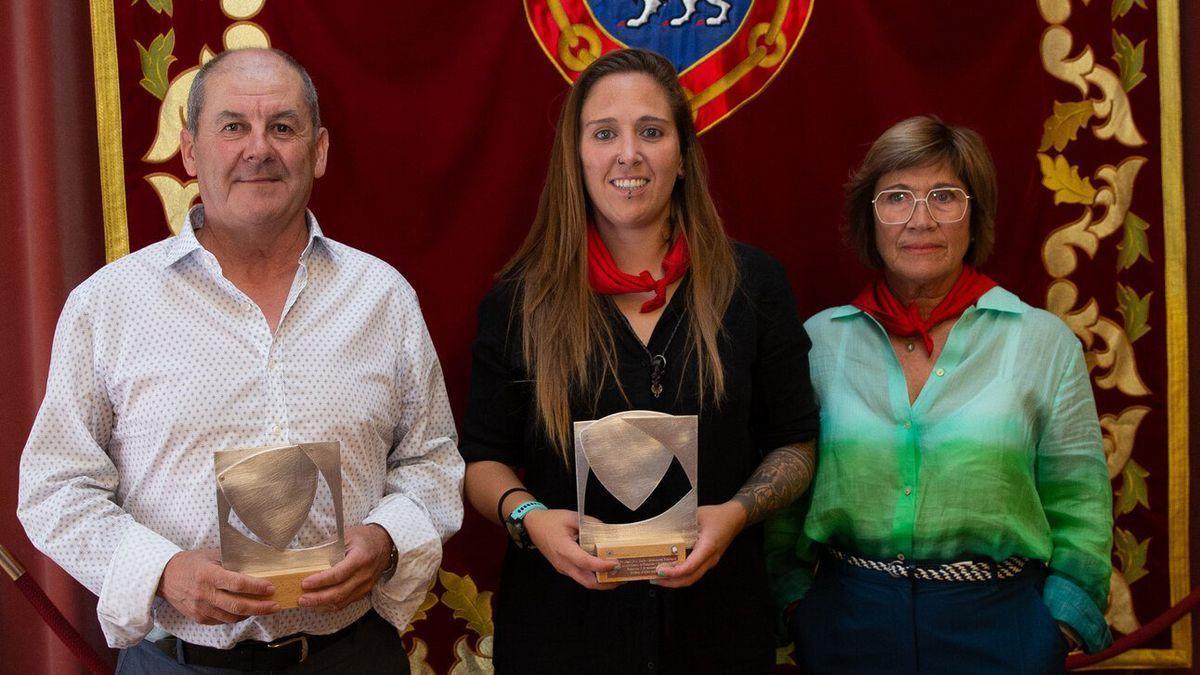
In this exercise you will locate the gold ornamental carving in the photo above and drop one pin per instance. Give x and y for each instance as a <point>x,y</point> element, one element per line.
<point>1101,216</point>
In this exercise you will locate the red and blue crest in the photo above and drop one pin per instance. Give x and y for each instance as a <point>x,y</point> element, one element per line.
<point>726,51</point>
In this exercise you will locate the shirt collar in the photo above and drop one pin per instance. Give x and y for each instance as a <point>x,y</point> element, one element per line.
<point>997,299</point>
<point>186,243</point>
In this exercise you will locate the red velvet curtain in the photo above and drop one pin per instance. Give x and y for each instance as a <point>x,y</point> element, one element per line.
<point>441,117</point>
<point>52,240</point>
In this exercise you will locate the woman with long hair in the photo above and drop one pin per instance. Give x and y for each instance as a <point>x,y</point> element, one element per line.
<point>628,295</point>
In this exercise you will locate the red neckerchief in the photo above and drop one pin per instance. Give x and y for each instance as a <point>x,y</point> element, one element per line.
<point>878,301</point>
<point>606,278</point>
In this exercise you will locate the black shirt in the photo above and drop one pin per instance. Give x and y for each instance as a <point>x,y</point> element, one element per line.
<point>545,622</point>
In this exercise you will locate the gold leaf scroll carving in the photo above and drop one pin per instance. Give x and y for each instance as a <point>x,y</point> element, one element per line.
<point>245,35</point>
<point>418,663</point>
<point>468,661</point>
<point>1120,605</point>
<point>1115,359</point>
<point>1115,107</point>
<point>1064,180</point>
<point>241,9</point>
<point>1114,195</point>
<point>172,114</point>
<point>1055,11</point>
<point>1064,124</point>
<point>176,197</point>
<point>1119,434</point>
<point>1082,72</point>
<point>1057,60</point>
<point>467,601</point>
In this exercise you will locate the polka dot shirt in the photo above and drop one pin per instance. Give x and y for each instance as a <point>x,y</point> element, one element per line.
<point>158,361</point>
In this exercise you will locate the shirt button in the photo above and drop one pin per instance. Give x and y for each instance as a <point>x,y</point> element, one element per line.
<point>650,665</point>
<point>899,556</point>
<point>277,430</point>
<point>652,593</point>
<point>907,491</point>
<point>940,372</point>
<point>907,424</point>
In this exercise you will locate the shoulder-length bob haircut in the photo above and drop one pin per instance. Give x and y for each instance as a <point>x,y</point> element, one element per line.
<point>568,345</point>
<point>918,142</point>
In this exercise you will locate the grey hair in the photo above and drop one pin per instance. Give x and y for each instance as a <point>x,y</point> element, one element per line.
<point>195,100</point>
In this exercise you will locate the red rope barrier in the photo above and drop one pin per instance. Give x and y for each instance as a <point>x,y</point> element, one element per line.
<point>53,618</point>
<point>1139,636</point>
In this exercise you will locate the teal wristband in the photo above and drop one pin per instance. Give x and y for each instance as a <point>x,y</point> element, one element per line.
<point>524,508</point>
<point>516,525</point>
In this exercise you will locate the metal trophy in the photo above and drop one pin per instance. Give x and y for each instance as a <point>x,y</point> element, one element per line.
<point>630,453</point>
<point>271,491</point>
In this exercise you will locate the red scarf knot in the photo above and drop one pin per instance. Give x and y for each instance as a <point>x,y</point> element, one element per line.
<point>879,301</point>
<point>606,278</point>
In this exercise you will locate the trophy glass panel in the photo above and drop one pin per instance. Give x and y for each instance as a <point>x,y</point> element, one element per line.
<point>629,453</point>
<point>270,493</point>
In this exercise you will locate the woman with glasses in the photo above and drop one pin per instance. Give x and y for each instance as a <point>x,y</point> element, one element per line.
<point>961,514</point>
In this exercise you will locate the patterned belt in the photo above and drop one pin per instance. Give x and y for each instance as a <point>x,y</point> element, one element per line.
<point>966,570</point>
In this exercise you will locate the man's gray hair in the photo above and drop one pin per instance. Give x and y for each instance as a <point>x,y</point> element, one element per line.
<point>195,100</point>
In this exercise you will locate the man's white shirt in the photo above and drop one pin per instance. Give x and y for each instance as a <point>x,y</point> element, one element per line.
<point>159,361</point>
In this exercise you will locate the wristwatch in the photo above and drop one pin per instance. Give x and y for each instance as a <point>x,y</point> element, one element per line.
<point>515,522</point>
<point>393,559</point>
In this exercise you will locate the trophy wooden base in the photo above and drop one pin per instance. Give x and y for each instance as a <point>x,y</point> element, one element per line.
<point>638,563</point>
<point>287,583</point>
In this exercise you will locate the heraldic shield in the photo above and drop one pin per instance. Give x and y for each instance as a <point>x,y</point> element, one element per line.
<point>726,51</point>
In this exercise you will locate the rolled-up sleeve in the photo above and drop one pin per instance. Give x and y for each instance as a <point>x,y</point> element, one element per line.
<point>422,505</point>
<point>1073,485</point>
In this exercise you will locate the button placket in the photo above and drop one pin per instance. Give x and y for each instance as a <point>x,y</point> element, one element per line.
<point>274,378</point>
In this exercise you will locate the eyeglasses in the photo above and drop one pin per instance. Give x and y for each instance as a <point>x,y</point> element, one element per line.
<point>945,205</point>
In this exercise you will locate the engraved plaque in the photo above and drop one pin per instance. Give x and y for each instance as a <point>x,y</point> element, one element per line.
<point>629,453</point>
<point>638,562</point>
<point>264,498</point>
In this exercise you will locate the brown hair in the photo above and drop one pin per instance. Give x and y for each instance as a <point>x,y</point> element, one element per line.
<point>916,142</point>
<point>565,335</point>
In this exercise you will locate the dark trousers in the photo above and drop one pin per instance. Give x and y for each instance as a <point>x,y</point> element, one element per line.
<point>855,620</point>
<point>373,648</point>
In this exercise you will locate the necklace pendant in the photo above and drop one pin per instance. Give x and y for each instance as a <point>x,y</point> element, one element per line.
<point>910,346</point>
<point>656,389</point>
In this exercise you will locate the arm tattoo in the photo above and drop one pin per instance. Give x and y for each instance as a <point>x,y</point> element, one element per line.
<point>783,475</point>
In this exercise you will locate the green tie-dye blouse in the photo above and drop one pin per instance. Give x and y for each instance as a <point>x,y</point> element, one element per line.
<point>1000,455</point>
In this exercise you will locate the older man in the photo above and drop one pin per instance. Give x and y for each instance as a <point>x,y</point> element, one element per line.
<point>249,328</point>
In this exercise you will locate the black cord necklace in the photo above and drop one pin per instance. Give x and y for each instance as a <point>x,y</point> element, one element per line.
<point>658,362</point>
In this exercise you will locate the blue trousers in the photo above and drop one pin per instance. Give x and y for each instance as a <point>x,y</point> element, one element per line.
<point>855,620</point>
